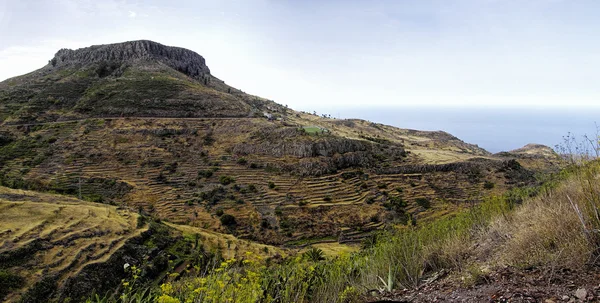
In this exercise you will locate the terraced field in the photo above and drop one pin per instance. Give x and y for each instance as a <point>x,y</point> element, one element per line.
<point>45,235</point>
<point>230,246</point>
<point>176,170</point>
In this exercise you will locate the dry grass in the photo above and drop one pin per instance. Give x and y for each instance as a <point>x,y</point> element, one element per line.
<point>230,246</point>
<point>335,249</point>
<point>549,230</point>
<point>77,233</point>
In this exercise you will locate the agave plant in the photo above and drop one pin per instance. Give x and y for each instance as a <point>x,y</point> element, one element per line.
<point>314,254</point>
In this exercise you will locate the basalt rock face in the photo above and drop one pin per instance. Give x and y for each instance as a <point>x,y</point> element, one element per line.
<point>181,59</point>
<point>129,79</point>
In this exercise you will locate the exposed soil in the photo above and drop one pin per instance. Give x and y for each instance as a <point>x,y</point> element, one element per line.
<point>507,285</point>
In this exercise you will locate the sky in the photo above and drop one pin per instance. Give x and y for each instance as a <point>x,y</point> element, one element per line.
<point>336,55</point>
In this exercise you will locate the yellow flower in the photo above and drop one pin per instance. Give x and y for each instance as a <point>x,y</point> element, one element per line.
<point>166,288</point>
<point>167,299</point>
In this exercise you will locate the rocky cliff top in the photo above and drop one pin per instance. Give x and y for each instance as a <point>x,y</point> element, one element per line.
<point>181,59</point>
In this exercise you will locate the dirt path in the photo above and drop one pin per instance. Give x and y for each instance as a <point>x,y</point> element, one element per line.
<point>507,285</point>
<point>123,118</point>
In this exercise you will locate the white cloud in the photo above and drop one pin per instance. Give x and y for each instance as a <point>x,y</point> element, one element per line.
<point>132,14</point>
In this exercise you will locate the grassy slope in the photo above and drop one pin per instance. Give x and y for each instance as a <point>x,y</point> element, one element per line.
<point>155,164</point>
<point>552,227</point>
<point>44,235</point>
<point>230,247</point>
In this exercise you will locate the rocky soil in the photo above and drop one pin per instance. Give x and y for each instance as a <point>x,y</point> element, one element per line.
<point>505,285</point>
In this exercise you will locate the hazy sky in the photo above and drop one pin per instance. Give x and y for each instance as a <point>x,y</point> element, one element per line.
<point>319,54</point>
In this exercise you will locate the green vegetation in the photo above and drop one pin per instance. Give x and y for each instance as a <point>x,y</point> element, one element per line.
<point>226,180</point>
<point>423,202</point>
<point>314,254</point>
<point>227,219</point>
<point>9,281</point>
<point>488,185</point>
<point>401,257</point>
<point>312,130</point>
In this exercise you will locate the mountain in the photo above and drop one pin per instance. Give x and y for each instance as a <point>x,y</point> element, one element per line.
<point>139,78</point>
<point>147,128</point>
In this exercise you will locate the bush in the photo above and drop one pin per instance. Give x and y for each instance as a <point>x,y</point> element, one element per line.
<point>252,188</point>
<point>219,212</point>
<point>205,173</point>
<point>9,281</point>
<point>225,180</point>
<point>271,185</point>
<point>423,202</point>
<point>228,220</point>
<point>327,199</point>
<point>242,161</point>
<point>488,185</point>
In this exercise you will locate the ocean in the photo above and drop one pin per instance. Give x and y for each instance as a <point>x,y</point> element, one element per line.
<point>495,129</point>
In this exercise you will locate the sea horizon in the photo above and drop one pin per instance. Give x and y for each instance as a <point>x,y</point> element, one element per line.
<point>494,129</point>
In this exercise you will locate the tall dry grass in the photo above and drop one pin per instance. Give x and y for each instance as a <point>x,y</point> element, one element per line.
<point>558,228</point>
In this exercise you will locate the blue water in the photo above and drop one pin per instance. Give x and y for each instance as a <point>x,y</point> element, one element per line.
<point>495,129</point>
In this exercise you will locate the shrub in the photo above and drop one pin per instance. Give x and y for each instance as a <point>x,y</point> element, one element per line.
<point>423,202</point>
<point>271,185</point>
<point>205,173</point>
<point>252,188</point>
<point>225,180</point>
<point>242,161</point>
<point>9,281</point>
<point>396,204</point>
<point>253,165</point>
<point>219,212</point>
<point>228,220</point>
<point>314,254</point>
<point>488,185</point>
<point>327,199</point>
